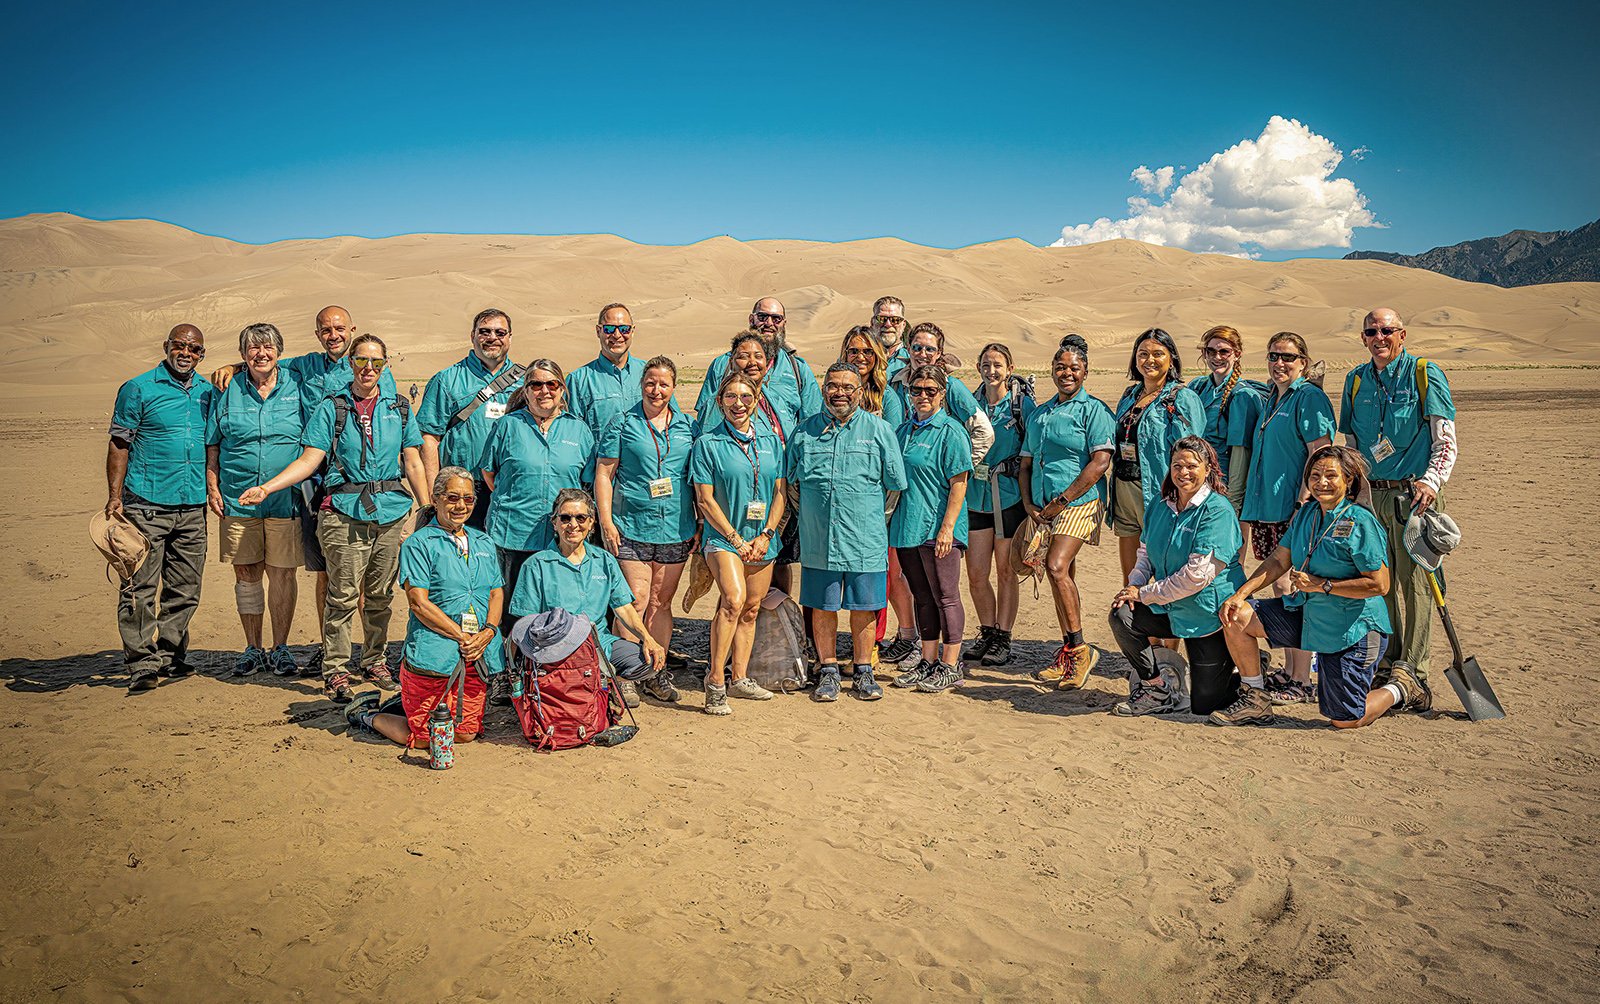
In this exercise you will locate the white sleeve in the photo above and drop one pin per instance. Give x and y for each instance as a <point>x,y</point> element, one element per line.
<point>1141,569</point>
<point>1441,453</point>
<point>981,430</point>
<point>1194,576</point>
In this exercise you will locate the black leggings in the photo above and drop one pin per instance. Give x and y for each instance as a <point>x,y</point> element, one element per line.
<point>1211,679</point>
<point>936,587</point>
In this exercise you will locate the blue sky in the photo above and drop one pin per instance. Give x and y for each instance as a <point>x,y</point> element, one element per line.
<point>941,123</point>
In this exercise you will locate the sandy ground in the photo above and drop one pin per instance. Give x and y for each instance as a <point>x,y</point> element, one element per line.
<point>223,839</point>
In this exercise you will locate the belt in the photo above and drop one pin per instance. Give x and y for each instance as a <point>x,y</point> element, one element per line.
<point>366,489</point>
<point>1391,485</point>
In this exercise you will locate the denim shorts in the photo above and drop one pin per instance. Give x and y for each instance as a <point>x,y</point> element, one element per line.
<point>825,590</point>
<point>660,554</point>
<point>1344,678</point>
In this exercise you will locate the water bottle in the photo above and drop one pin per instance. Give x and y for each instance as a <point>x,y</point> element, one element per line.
<point>441,737</point>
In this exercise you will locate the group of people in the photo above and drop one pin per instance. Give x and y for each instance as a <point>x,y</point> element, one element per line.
<point>590,491</point>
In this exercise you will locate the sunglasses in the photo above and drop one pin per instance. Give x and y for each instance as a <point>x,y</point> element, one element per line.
<point>1374,332</point>
<point>764,316</point>
<point>886,320</point>
<point>617,329</point>
<point>187,348</point>
<point>835,388</point>
<point>455,499</point>
<point>568,518</point>
<point>362,362</point>
<point>1283,357</point>
<point>493,332</point>
<point>1226,350</point>
<point>543,385</point>
<point>857,353</point>
<point>924,348</point>
<point>924,391</point>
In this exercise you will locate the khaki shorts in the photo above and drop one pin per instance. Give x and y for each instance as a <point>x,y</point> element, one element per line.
<point>1080,521</point>
<point>1127,508</point>
<point>248,540</point>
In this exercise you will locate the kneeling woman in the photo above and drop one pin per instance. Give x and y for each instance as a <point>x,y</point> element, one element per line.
<point>1186,566</point>
<point>451,575</point>
<point>1333,555</point>
<point>587,580</point>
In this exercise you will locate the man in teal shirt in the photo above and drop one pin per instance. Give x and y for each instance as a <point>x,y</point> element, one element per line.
<point>485,379</point>
<point>847,469</point>
<point>601,390</point>
<point>1403,422</point>
<point>789,386</point>
<point>156,477</point>
<point>889,328</point>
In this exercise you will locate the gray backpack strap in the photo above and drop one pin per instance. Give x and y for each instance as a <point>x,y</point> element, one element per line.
<point>486,393</point>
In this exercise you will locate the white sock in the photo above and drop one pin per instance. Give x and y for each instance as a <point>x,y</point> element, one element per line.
<point>1255,682</point>
<point>1394,688</point>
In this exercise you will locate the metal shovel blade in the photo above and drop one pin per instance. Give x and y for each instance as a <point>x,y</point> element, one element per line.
<point>1476,696</point>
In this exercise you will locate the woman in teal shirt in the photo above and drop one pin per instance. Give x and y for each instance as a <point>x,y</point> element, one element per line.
<point>1153,413</point>
<point>1188,563</point>
<point>1295,421</point>
<point>1233,406</point>
<point>1065,454</point>
<point>647,516</point>
<point>1334,557</point>
<point>737,473</point>
<point>925,346</point>
<point>1009,403</point>
<point>369,441</point>
<point>929,527</point>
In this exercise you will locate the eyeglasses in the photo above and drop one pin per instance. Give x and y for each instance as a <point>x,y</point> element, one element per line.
<point>835,388</point>
<point>1226,350</point>
<point>568,518</point>
<point>924,391</point>
<point>887,320</point>
<point>762,315</point>
<point>362,362</point>
<point>1283,357</point>
<point>858,353</point>
<point>1373,332</point>
<point>617,329</point>
<point>454,498</point>
<point>543,385</point>
<point>187,348</point>
<point>493,332</point>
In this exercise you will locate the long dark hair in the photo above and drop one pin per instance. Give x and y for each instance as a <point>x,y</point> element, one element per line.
<point>1174,371</point>
<point>1198,446</point>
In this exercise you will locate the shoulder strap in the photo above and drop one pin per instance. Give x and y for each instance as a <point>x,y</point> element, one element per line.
<point>403,406</point>
<point>487,391</point>
<point>1422,384</point>
<point>341,415</point>
<point>1355,388</point>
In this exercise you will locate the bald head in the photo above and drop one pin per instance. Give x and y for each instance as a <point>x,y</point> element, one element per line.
<point>185,347</point>
<point>334,330</point>
<point>769,319</point>
<point>188,330</point>
<point>1384,335</point>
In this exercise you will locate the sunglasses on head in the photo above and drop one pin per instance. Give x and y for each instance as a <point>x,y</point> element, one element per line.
<point>543,384</point>
<point>617,329</point>
<point>762,315</point>
<point>362,362</point>
<point>1374,332</point>
<point>886,320</point>
<point>187,348</point>
<point>455,498</point>
<point>924,391</point>
<point>1283,357</point>
<point>567,518</point>
<point>493,332</point>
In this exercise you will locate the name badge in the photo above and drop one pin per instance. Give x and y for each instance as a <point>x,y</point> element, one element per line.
<point>755,512</point>
<point>469,621</point>
<point>1342,529</point>
<point>1382,449</point>
<point>494,409</point>
<point>1130,451</point>
<point>660,488</point>
<point>980,472</point>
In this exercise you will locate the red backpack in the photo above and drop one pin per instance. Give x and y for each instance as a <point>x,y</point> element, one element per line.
<point>563,704</point>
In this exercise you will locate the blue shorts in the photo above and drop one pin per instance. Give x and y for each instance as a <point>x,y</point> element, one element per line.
<point>1344,678</point>
<point>821,589</point>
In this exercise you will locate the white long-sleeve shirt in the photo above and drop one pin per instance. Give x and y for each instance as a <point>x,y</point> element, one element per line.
<point>1197,573</point>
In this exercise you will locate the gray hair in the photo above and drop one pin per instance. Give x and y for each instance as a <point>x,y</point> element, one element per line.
<point>566,495</point>
<point>447,475</point>
<point>260,334</point>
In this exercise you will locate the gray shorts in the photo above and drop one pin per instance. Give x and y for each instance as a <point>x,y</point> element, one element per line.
<point>660,554</point>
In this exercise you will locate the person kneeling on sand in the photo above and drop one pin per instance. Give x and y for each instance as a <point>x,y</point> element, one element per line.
<point>1333,555</point>
<point>451,575</point>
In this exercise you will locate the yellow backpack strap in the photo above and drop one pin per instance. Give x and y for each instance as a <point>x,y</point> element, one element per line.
<point>1422,384</point>
<point>1355,388</point>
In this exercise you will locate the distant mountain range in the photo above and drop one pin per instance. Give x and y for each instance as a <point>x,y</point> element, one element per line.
<point>1520,258</point>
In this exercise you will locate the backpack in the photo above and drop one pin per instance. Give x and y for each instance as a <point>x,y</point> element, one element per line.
<point>341,416</point>
<point>1018,387</point>
<point>563,704</point>
<point>777,656</point>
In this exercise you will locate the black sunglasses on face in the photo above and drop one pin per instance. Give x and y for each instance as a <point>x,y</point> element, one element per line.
<point>885,320</point>
<point>762,315</point>
<point>1283,357</point>
<point>1373,332</point>
<point>565,518</point>
<point>187,348</point>
<point>543,384</point>
<point>924,391</point>
<point>453,499</point>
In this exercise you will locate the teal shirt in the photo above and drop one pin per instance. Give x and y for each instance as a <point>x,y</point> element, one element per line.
<point>447,393</point>
<point>1350,542</point>
<point>932,455</point>
<point>599,391</point>
<point>1176,412</point>
<point>320,376</point>
<point>1208,526</point>
<point>592,587</point>
<point>1062,437</point>
<point>255,440</point>
<point>164,424</point>
<point>1008,434</point>
<point>844,474</point>
<point>1224,432</point>
<point>898,360</point>
<point>1386,406</point>
<point>390,435</point>
<point>430,559</point>
<point>958,400</point>
<point>530,469</point>
<point>1280,447</point>
<point>790,389</point>
<point>644,455</point>
<point>739,474</point>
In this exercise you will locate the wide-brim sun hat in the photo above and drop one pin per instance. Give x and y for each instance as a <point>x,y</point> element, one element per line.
<point>550,636</point>
<point>1429,536</point>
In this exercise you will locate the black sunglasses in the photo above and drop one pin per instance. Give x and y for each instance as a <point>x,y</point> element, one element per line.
<point>1283,357</point>
<point>573,517</point>
<point>924,391</point>
<point>493,332</point>
<point>762,315</point>
<point>187,348</point>
<point>1373,332</point>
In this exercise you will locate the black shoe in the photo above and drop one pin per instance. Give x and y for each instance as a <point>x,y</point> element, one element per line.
<point>499,689</point>
<point>897,651</point>
<point>313,666</point>
<point>864,686</point>
<point>827,684</point>
<point>913,676</point>
<point>677,660</point>
<point>177,671</point>
<point>942,678</point>
<point>978,647</point>
<point>142,682</point>
<point>999,649</point>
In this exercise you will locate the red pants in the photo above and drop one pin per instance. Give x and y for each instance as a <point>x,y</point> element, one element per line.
<point>420,694</point>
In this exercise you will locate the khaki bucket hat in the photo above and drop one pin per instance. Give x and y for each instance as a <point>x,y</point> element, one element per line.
<point>124,545</point>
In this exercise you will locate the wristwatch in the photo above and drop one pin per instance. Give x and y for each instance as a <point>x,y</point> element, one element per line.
<point>1327,585</point>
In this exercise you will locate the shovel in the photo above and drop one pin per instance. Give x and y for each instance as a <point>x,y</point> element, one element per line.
<point>1474,691</point>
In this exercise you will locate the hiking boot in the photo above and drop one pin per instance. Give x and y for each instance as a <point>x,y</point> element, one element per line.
<point>1251,707</point>
<point>661,687</point>
<point>381,676</point>
<point>337,688</point>
<point>1417,696</point>
<point>827,688</point>
<point>1079,661</point>
<point>1053,672</point>
<point>250,662</point>
<point>281,661</point>
<point>627,691</point>
<point>142,682</point>
<point>897,651</point>
<point>749,689</point>
<point>313,666</point>
<point>717,700</point>
<point>362,703</point>
<point>176,671</point>
<point>500,690</point>
<point>1293,692</point>
<point>979,647</point>
<point>1147,699</point>
<point>913,676</point>
<point>864,686</point>
<point>941,677</point>
<point>999,649</point>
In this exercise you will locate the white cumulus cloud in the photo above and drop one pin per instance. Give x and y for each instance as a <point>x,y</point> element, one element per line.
<point>1273,193</point>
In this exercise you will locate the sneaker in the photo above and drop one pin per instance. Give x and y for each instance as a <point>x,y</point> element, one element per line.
<point>1417,695</point>
<point>979,647</point>
<point>750,690</point>
<point>913,676</point>
<point>864,686</point>
<point>313,666</point>
<point>628,692</point>
<point>337,688</point>
<point>368,701</point>
<point>941,677</point>
<point>250,662</point>
<point>381,676</point>
<point>717,700</point>
<point>827,688</point>
<point>1147,699</point>
<point>1080,660</point>
<point>499,689</point>
<point>176,671</point>
<point>661,687</point>
<point>142,682</point>
<point>999,653</point>
<point>1251,707</point>
<point>281,661</point>
<point>1293,692</point>
<point>1053,672</point>
<point>897,651</point>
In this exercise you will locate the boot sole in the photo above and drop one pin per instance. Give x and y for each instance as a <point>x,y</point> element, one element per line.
<point>1243,721</point>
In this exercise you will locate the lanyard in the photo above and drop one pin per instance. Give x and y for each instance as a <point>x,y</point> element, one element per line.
<point>772,416</point>
<point>1333,520</point>
<point>751,455</point>
<point>1283,398</point>
<point>660,457</point>
<point>1385,399</point>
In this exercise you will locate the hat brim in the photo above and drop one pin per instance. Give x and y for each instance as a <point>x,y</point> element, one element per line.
<point>561,648</point>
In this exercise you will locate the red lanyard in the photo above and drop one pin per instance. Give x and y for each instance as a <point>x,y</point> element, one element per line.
<point>751,453</point>
<point>660,458</point>
<point>772,416</point>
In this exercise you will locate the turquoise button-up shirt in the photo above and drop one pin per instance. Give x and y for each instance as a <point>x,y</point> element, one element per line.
<point>739,471</point>
<point>530,468</point>
<point>1236,427</point>
<point>599,391</point>
<point>1207,526</point>
<point>256,438</point>
<point>644,454</point>
<point>1349,542</point>
<point>1062,437</point>
<point>591,587</point>
<point>844,474</point>
<point>1176,412</point>
<point>430,559</point>
<point>1008,435</point>
<point>1279,448</point>
<point>353,459</point>
<point>447,393</point>
<point>1386,405</point>
<point>164,424</point>
<point>933,454</point>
